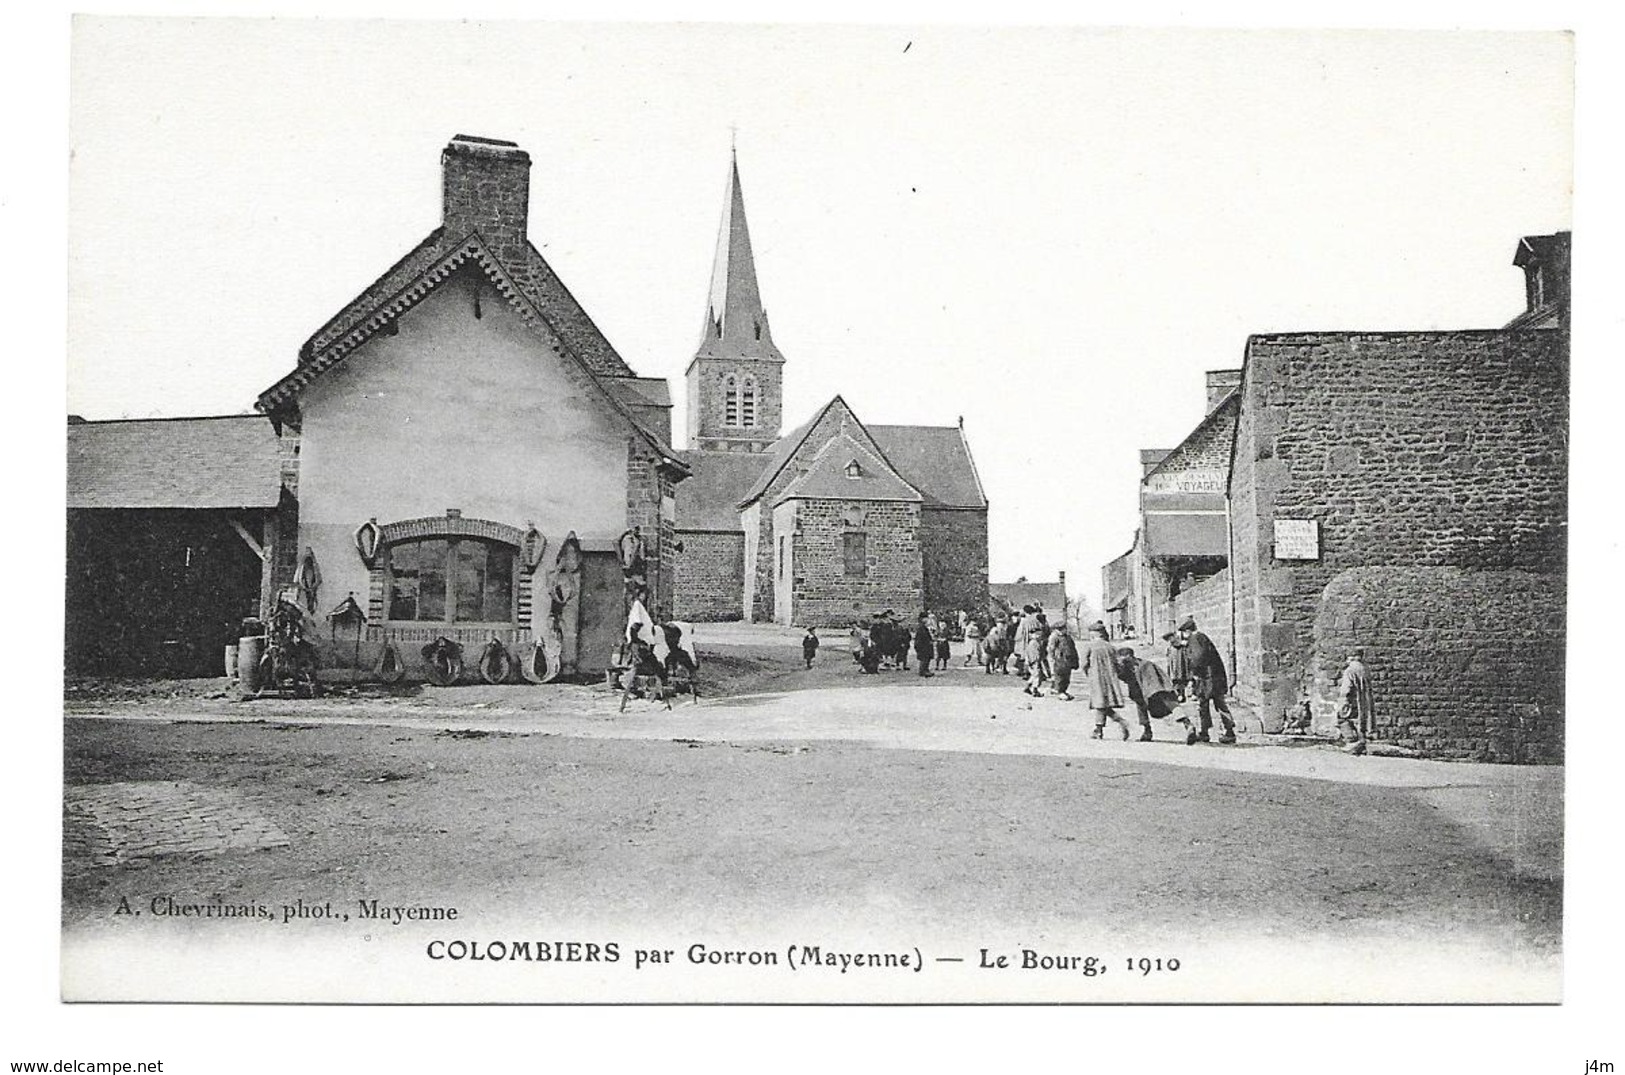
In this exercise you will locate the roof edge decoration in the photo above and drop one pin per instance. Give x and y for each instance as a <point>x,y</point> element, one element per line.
<point>471,249</point>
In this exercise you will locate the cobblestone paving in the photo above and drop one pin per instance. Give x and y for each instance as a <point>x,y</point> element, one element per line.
<point>107,824</point>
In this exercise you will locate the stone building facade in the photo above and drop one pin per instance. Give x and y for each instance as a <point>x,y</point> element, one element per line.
<point>909,496</point>
<point>1428,473</point>
<point>1403,494</point>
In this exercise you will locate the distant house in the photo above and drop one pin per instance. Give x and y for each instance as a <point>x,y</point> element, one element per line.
<point>1013,596</point>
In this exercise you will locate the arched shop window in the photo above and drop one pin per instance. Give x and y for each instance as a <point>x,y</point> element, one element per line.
<point>730,400</point>
<point>451,580</point>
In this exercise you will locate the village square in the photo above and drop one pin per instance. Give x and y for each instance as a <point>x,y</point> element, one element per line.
<point>471,619</point>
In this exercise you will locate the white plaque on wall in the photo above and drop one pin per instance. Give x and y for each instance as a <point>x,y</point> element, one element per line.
<point>1297,539</point>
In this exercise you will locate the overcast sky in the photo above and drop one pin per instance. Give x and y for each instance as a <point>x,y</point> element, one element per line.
<point>1052,233</point>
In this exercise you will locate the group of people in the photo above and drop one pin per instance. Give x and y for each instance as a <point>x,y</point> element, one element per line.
<point>1111,676</point>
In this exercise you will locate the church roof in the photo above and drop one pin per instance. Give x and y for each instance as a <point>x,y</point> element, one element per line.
<point>735,319</point>
<point>845,469</point>
<point>224,462</point>
<point>936,460</point>
<point>709,499</point>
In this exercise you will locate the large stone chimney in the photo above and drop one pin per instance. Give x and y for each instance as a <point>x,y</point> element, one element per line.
<point>485,187</point>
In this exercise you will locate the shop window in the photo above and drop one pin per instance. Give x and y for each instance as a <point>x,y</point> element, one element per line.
<point>451,580</point>
<point>855,550</point>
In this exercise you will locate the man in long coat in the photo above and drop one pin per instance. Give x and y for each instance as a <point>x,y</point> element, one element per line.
<point>1031,635</point>
<point>1356,709</point>
<point>1178,663</point>
<point>923,644</point>
<point>1097,665</point>
<point>1210,683</point>
<point>1063,658</point>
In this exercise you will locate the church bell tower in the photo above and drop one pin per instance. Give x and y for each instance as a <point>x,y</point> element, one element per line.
<point>736,378</point>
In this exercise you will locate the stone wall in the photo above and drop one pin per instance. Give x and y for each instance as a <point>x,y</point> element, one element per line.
<point>710,576</point>
<point>822,593</point>
<point>758,521</point>
<point>1409,449</point>
<point>1463,663</point>
<point>1208,603</point>
<point>707,425</point>
<point>953,556</point>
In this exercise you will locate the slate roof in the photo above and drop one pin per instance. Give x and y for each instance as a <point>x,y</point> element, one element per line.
<point>935,460</point>
<point>1227,410</point>
<point>534,277</point>
<point>225,462</point>
<point>709,498</point>
<point>784,448</point>
<point>1050,596</point>
<point>472,250</point>
<point>826,478</point>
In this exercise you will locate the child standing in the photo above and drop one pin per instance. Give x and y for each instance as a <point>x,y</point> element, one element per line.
<point>809,646</point>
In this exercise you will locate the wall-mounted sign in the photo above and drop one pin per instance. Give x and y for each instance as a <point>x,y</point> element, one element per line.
<point>1297,539</point>
<point>1189,481</point>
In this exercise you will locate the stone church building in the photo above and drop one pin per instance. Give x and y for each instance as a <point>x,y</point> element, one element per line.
<point>462,453</point>
<point>830,522</point>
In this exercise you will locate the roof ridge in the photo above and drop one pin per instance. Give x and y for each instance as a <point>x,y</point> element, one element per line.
<point>471,246</point>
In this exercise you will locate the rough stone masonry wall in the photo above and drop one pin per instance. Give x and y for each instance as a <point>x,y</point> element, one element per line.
<point>1464,664</point>
<point>1208,603</point>
<point>953,556</point>
<point>647,486</point>
<point>707,408</point>
<point>710,576</point>
<point>824,595</point>
<point>759,547</point>
<point>1411,449</point>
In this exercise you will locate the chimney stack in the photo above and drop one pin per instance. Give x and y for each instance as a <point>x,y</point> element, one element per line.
<point>485,187</point>
<point>1220,383</point>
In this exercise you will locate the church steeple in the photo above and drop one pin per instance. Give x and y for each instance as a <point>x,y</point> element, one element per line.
<point>735,320</point>
<point>735,379</point>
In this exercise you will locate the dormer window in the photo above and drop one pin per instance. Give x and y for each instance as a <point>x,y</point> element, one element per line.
<point>854,469</point>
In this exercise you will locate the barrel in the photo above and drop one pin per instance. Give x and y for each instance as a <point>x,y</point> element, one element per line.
<point>249,652</point>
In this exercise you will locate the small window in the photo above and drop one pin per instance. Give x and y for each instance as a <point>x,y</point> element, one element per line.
<point>854,469</point>
<point>781,557</point>
<point>855,549</point>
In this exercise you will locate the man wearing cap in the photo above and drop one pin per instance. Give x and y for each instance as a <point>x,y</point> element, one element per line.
<point>1097,664</point>
<point>1210,683</point>
<point>1128,670</point>
<point>1063,658</point>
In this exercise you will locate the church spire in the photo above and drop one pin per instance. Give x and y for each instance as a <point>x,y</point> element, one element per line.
<point>735,320</point>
